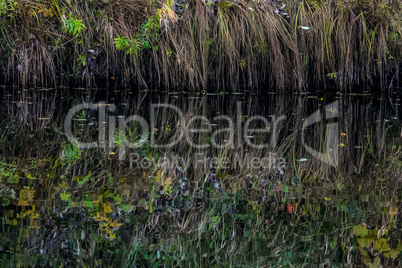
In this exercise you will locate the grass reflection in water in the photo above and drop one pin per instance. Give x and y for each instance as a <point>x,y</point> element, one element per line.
<point>63,205</point>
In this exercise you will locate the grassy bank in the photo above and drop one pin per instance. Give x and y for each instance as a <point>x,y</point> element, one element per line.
<point>193,44</point>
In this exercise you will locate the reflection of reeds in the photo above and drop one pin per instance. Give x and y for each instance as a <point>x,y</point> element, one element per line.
<point>224,44</point>
<point>368,139</point>
<point>95,210</point>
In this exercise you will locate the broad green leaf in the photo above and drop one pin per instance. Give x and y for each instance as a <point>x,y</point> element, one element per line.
<point>393,254</point>
<point>360,230</point>
<point>381,245</point>
<point>364,242</point>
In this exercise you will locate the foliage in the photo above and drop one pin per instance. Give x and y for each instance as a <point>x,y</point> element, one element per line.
<point>7,7</point>
<point>63,206</point>
<point>74,26</point>
<point>193,44</point>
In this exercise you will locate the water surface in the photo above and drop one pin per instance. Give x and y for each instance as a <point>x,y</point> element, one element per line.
<point>113,206</point>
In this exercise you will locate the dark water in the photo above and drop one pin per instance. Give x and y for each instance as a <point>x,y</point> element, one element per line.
<point>233,205</point>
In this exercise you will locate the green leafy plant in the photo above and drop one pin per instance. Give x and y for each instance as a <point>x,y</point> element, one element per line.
<point>332,75</point>
<point>152,23</point>
<point>146,45</point>
<point>129,46</point>
<point>135,47</point>
<point>71,153</point>
<point>7,6</point>
<point>225,5</point>
<point>122,43</point>
<point>74,26</point>
<point>81,59</point>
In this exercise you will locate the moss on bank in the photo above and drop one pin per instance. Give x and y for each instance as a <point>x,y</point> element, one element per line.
<point>194,44</point>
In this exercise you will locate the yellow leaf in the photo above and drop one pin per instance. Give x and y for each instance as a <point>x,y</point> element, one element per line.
<point>159,176</point>
<point>98,217</point>
<point>166,187</point>
<point>107,208</point>
<point>35,216</point>
<point>115,224</point>
<point>65,196</point>
<point>393,210</point>
<point>22,203</point>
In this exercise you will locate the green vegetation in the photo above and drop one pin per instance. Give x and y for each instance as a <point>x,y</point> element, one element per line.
<point>65,206</point>
<point>194,44</point>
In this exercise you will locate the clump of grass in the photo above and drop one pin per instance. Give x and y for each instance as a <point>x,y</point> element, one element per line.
<point>202,44</point>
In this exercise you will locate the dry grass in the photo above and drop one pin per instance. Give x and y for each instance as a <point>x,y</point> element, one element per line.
<point>218,45</point>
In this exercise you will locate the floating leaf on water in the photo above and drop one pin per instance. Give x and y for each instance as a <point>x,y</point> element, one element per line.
<point>382,245</point>
<point>393,254</point>
<point>364,242</point>
<point>360,230</point>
